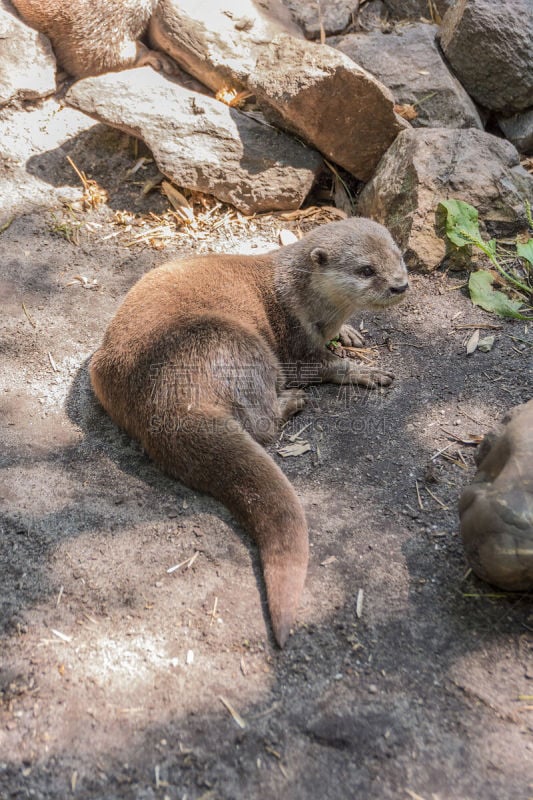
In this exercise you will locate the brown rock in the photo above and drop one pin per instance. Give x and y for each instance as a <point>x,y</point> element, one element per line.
<point>27,64</point>
<point>489,47</point>
<point>332,103</point>
<point>424,167</point>
<point>199,142</point>
<point>308,89</point>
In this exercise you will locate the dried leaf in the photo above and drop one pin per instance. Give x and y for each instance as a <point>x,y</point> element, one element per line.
<point>179,203</point>
<point>298,448</point>
<point>406,110</point>
<point>287,237</point>
<point>232,97</point>
<point>235,714</point>
<point>472,343</point>
<point>359,604</point>
<point>152,184</point>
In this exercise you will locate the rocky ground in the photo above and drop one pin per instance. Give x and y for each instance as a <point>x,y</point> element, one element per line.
<point>406,677</point>
<point>137,660</point>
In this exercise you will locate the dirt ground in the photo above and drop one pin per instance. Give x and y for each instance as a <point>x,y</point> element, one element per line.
<point>117,676</point>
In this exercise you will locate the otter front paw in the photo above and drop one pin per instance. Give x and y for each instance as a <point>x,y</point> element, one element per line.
<point>350,337</point>
<point>371,378</point>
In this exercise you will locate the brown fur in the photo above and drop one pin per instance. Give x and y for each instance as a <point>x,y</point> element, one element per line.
<point>94,36</point>
<point>192,367</point>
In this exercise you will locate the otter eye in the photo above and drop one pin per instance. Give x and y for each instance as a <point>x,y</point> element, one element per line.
<point>367,271</point>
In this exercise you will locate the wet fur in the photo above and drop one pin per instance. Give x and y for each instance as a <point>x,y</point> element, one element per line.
<point>192,367</point>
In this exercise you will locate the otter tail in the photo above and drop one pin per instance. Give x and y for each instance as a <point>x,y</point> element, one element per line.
<point>209,450</point>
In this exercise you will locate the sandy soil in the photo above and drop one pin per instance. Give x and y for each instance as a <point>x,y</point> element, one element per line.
<point>113,669</point>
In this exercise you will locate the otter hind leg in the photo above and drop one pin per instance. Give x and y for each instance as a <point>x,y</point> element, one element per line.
<point>291,402</point>
<point>153,58</point>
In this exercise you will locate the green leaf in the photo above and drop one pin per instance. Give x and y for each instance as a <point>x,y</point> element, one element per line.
<point>461,218</point>
<point>525,250</point>
<point>484,295</point>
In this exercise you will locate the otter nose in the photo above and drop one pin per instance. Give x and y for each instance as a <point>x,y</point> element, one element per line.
<point>399,289</point>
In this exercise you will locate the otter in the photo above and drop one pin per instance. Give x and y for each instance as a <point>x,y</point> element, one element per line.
<point>94,36</point>
<point>195,365</point>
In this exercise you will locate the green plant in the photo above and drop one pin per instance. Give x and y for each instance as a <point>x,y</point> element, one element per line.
<point>514,264</point>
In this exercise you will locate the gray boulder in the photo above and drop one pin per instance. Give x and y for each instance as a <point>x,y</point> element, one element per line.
<point>424,167</point>
<point>489,46</point>
<point>199,142</point>
<point>519,130</point>
<point>409,63</point>
<point>308,89</point>
<point>27,64</point>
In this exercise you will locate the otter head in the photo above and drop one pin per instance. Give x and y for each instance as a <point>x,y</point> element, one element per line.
<point>358,266</point>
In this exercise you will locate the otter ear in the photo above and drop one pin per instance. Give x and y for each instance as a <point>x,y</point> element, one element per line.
<point>319,256</point>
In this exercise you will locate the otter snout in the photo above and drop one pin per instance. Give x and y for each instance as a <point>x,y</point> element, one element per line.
<point>399,289</point>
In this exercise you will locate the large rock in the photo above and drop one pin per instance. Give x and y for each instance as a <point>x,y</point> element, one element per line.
<point>218,43</point>
<point>328,16</point>
<point>199,142</point>
<point>32,157</point>
<point>409,62</point>
<point>489,46</point>
<point>311,90</point>
<point>519,130</point>
<point>27,64</point>
<point>327,100</point>
<point>424,167</point>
